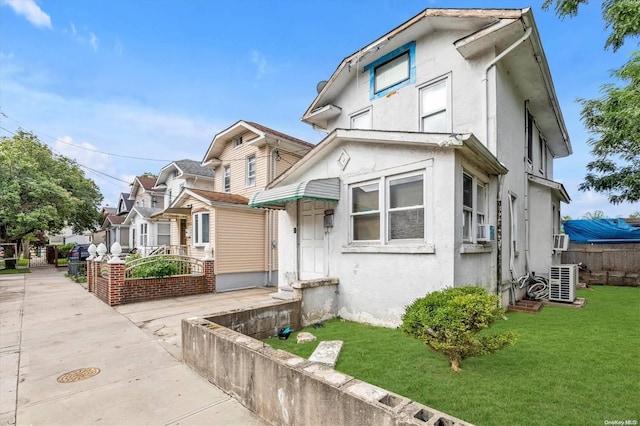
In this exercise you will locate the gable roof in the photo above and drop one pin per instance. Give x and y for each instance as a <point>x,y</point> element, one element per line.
<point>184,168</point>
<point>124,200</point>
<point>259,136</point>
<point>144,212</point>
<point>493,30</point>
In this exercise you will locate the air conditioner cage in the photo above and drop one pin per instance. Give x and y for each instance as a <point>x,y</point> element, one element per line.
<point>560,242</point>
<point>562,283</point>
<point>486,233</point>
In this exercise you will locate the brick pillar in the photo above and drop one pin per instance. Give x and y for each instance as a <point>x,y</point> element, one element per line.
<point>116,282</point>
<point>209,275</point>
<point>90,276</point>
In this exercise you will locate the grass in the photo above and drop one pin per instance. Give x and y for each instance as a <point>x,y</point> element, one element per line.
<point>569,366</point>
<point>14,271</point>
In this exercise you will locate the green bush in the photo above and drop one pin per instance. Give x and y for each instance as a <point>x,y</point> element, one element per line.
<point>448,321</point>
<point>63,250</point>
<point>158,268</point>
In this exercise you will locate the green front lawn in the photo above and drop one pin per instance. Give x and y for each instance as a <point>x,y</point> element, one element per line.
<point>568,366</point>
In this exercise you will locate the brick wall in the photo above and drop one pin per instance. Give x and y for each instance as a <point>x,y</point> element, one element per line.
<point>115,289</point>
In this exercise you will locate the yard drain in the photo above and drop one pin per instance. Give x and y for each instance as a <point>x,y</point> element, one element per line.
<point>77,375</point>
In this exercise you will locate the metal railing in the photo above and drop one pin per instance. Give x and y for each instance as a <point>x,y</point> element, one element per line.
<point>180,265</point>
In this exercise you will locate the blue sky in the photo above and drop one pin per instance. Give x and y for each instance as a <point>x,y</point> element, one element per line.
<point>157,79</point>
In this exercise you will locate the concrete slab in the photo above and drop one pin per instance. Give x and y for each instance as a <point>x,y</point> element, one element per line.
<point>327,352</point>
<point>50,326</point>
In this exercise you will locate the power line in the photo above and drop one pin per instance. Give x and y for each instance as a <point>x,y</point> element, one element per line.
<point>83,147</point>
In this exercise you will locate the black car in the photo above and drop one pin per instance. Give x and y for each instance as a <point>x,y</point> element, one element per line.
<point>78,253</point>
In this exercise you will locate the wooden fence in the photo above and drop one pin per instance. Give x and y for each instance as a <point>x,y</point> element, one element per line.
<point>613,264</point>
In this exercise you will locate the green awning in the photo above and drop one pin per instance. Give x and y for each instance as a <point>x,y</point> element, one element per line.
<point>316,189</point>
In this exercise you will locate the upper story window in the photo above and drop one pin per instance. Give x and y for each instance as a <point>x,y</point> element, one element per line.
<point>237,141</point>
<point>434,107</point>
<point>474,207</point>
<point>200,228</point>
<point>530,131</point>
<point>390,208</point>
<point>226,178</point>
<point>542,156</point>
<point>394,70</point>
<point>361,120</point>
<point>251,170</point>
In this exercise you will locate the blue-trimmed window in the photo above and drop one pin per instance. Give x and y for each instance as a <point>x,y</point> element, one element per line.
<point>394,70</point>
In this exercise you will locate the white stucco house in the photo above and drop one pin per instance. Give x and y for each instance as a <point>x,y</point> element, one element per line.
<point>437,167</point>
<point>146,234</point>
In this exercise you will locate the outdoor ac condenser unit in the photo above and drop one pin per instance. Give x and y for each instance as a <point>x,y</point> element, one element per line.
<point>562,283</point>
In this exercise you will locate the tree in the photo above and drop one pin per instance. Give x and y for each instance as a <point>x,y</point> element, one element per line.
<point>41,192</point>
<point>596,214</point>
<point>614,119</point>
<point>448,322</point>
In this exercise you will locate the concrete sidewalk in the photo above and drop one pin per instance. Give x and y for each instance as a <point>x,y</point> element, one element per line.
<point>50,326</point>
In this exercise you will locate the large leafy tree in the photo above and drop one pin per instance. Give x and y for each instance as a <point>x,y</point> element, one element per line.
<point>614,119</point>
<point>40,191</point>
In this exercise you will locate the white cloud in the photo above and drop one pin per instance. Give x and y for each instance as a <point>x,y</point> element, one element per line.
<point>83,153</point>
<point>93,41</point>
<point>260,60</point>
<point>31,11</point>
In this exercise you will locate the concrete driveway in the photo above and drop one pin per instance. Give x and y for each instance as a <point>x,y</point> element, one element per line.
<point>50,326</point>
<point>161,319</point>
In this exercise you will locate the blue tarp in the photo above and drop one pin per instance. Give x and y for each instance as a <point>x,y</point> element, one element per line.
<point>601,231</point>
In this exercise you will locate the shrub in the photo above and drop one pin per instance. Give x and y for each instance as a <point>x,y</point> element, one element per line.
<point>158,267</point>
<point>448,321</point>
<point>63,250</point>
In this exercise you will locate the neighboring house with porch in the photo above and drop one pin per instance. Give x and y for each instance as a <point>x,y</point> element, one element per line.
<point>437,169</point>
<point>244,158</point>
<point>146,234</point>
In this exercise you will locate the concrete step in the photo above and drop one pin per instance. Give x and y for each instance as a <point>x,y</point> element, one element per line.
<point>531,306</point>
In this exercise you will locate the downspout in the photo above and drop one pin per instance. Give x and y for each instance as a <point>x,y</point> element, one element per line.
<point>489,145</point>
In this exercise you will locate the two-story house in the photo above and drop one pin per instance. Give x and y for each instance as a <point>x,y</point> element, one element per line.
<point>244,158</point>
<point>145,233</point>
<point>113,225</point>
<point>437,167</point>
<point>173,179</point>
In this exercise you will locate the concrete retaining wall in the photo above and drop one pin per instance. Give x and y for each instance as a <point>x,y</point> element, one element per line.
<point>285,389</point>
<point>263,322</point>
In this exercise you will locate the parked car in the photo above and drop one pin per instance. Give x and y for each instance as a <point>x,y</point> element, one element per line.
<point>1,251</point>
<point>78,253</point>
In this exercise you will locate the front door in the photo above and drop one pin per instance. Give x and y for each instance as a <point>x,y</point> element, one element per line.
<point>311,239</point>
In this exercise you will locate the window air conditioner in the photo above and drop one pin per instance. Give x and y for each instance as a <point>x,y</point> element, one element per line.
<point>560,242</point>
<point>562,283</point>
<point>486,233</point>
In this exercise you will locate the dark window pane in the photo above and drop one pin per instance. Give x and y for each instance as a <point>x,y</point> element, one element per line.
<point>406,224</point>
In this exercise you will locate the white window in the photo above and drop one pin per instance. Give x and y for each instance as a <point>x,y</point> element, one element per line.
<point>237,141</point>
<point>226,177</point>
<point>392,71</point>
<point>543,155</point>
<point>403,215</point>
<point>361,120</point>
<point>200,229</point>
<point>251,170</point>
<point>434,107</point>
<point>474,207</point>
<point>143,234</point>
<point>164,234</point>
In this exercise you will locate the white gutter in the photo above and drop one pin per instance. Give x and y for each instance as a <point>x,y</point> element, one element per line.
<point>489,145</point>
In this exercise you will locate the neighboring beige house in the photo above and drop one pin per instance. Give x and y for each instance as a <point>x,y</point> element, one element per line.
<point>244,159</point>
<point>113,227</point>
<point>437,167</point>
